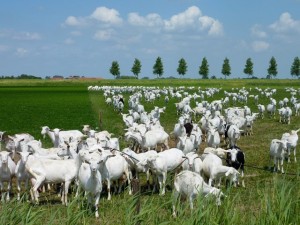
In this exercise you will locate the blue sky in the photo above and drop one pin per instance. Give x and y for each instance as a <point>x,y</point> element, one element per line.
<point>46,38</point>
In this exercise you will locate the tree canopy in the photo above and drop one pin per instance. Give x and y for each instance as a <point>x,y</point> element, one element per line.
<point>226,69</point>
<point>115,69</point>
<point>272,70</point>
<point>248,67</point>
<point>182,67</point>
<point>295,68</point>
<point>204,69</point>
<point>158,67</point>
<point>136,68</point>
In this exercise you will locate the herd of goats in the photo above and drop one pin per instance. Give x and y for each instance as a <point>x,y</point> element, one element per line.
<point>88,158</point>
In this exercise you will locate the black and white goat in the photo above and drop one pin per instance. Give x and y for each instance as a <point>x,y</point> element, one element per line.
<point>236,159</point>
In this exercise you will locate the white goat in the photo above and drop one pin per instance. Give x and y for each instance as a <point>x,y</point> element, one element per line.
<point>54,138</point>
<point>21,173</point>
<point>278,151</point>
<point>162,163</point>
<point>179,129</point>
<point>186,144</point>
<point>112,169</point>
<point>249,124</point>
<point>271,109</point>
<point>213,137</point>
<point>192,163</point>
<point>135,160</point>
<point>92,184</point>
<point>150,139</point>
<point>7,171</point>
<point>261,110</point>
<point>39,152</point>
<point>292,139</point>
<point>17,141</point>
<point>214,170</point>
<point>1,138</point>
<point>46,171</point>
<point>190,184</point>
<point>86,128</point>
<point>197,134</point>
<point>220,152</point>
<point>233,135</point>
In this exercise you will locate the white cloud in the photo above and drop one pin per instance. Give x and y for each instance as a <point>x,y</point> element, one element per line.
<point>259,46</point>
<point>286,24</point>
<point>257,31</point>
<point>103,35</point>
<point>105,15</point>
<point>151,20</point>
<point>20,52</point>
<point>184,19</point>
<point>20,35</point>
<point>69,41</point>
<point>110,16</point>
<point>76,33</point>
<point>213,26</point>
<point>191,18</point>
<point>75,21</point>
<point>27,36</point>
<point>4,33</point>
<point>150,51</point>
<point>3,48</point>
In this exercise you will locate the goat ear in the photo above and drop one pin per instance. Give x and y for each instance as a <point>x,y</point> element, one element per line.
<point>228,151</point>
<point>10,137</point>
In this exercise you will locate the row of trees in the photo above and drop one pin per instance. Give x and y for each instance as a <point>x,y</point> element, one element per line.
<point>158,68</point>
<point>22,76</point>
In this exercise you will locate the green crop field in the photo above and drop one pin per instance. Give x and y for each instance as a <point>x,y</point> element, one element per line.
<point>269,198</point>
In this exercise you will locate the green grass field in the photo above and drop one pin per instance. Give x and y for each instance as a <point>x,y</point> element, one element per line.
<point>268,198</point>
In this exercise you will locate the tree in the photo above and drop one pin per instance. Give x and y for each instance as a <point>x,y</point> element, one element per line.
<point>182,67</point>
<point>272,70</point>
<point>158,67</point>
<point>226,70</point>
<point>115,69</point>
<point>136,68</point>
<point>248,67</point>
<point>204,69</point>
<point>295,68</point>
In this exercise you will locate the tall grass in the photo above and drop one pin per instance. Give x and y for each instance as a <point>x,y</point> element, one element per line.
<point>278,202</point>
